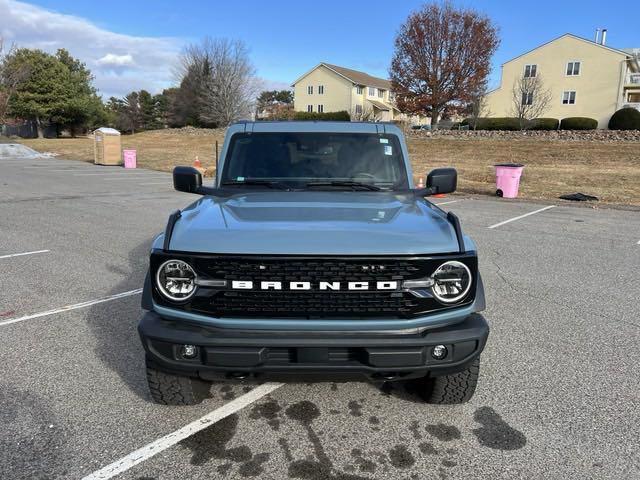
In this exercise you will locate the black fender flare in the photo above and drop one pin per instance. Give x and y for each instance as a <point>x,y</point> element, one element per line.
<point>146,301</point>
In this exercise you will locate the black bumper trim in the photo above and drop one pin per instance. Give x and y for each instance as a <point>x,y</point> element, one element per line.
<point>223,353</point>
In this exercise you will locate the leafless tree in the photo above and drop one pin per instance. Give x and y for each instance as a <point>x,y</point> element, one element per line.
<point>230,86</point>
<point>478,107</point>
<point>530,99</point>
<point>10,78</point>
<point>364,114</point>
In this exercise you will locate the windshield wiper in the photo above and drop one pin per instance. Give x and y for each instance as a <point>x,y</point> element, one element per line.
<point>266,183</point>
<point>345,183</point>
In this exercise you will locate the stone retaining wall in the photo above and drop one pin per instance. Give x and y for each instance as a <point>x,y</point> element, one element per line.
<point>561,135</point>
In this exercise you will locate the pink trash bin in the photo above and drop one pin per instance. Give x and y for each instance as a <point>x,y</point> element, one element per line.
<point>129,158</point>
<point>508,179</point>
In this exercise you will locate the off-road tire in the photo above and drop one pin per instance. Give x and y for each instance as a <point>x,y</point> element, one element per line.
<point>167,389</point>
<point>455,388</point>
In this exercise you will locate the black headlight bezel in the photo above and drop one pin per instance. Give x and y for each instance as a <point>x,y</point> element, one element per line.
<point>162,291</point>
<point>460,297</point>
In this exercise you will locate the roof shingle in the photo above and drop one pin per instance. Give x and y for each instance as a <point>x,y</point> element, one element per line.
<point>360,78</point>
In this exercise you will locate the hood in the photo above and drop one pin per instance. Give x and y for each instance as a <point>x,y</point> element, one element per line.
<point>314,223</point>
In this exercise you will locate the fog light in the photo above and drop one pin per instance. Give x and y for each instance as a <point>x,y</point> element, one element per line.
<point>189,351</point>
<point>439,352</point>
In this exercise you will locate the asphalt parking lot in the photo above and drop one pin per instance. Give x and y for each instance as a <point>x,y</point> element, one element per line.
<point>558,395</point>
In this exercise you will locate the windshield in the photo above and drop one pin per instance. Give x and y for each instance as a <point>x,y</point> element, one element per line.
<point>315,160</point>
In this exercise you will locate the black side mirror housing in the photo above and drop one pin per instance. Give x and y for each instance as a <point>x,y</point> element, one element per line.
<point>442,180</point>
<point>187,179</point>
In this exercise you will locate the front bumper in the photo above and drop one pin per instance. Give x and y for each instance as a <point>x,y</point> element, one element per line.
<point>378,355</point>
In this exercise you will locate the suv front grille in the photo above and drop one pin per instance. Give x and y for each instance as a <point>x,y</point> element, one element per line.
<point>227,302</point>
<point>316,304</point>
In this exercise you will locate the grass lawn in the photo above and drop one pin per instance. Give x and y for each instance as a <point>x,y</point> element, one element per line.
<point>610,171</point>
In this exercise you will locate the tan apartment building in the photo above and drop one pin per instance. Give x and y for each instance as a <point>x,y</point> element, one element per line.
<point>330,88</point>
<point>586,79</point>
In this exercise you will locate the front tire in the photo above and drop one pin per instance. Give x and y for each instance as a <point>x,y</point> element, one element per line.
<point>451,389</point>
<point>168,389</point>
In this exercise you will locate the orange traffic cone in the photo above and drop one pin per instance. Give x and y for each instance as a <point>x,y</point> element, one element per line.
<point>197,163</point>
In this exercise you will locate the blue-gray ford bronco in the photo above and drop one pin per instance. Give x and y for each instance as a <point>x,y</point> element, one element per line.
<point>312,254</point>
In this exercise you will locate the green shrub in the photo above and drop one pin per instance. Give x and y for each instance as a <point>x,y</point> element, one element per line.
<point>493,123</point>
<point>578,123</point>
<point>342,116</point>
<point>625,119</point>
<point>544,124</point>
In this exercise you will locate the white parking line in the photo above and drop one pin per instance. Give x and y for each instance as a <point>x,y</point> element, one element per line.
<point>24,253</point>
<point>521,216</point>
<point>446,203</point>
<point>153,448</point>
<point>56,170</point>
<point>71,307</point>
<point>168,183</point>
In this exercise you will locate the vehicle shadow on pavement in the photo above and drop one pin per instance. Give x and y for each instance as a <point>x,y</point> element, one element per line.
<point>117,343</point>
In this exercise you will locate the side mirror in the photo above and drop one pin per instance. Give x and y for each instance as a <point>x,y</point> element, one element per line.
<point>442,180</point>
<point>187,179</point>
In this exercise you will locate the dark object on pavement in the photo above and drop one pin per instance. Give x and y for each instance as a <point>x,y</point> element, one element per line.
<point>579,197</point>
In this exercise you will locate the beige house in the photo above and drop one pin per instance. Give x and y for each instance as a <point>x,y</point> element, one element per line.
<point>586,79</point>
<point>330,88</point>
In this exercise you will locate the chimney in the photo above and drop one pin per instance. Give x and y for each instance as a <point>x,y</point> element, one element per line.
<point>603,41</point>
<point>597,37</point>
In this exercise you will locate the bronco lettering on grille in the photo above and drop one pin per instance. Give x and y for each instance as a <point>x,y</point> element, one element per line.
<point>269,285</point>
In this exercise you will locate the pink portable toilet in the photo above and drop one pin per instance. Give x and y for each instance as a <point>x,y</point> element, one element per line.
<point>508,179</point>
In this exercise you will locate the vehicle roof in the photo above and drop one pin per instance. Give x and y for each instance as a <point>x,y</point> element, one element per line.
<point>316,126</point>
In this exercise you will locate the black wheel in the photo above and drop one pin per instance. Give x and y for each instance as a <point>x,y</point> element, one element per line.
<point>499,193</point>
<point>455,388</point>
<point>168,389</point>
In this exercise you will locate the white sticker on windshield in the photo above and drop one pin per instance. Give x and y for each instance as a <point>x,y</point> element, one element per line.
<point>388,150</point>
<point>384,140</point>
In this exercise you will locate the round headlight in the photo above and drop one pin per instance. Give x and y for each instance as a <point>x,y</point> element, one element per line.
<point>176,280</point>
<point>452,281</point>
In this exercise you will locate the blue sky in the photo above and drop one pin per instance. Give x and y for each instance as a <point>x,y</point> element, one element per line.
<point>136,41</point>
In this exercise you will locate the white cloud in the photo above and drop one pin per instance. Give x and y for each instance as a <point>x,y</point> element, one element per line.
<point>266,84</point>
<point>113,60</point>
<point>120,63</point>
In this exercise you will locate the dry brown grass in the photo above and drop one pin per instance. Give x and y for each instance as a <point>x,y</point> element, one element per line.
<point>610,171</point>
<point>157,150</point>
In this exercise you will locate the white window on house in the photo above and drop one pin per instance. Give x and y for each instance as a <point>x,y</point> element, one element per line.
<point>359,89</point>
<point>309,108</point>
<point>310,89</point>
<point>573,69</point>
<point>321,108</point>
<point>530,71</point>
<point>372,91</point>
<point>380,93</point>
<point>527,98</point>
<point>569,97</point>
<point>358,108</point>
<point>320,89</point>
<point>392,96</point>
